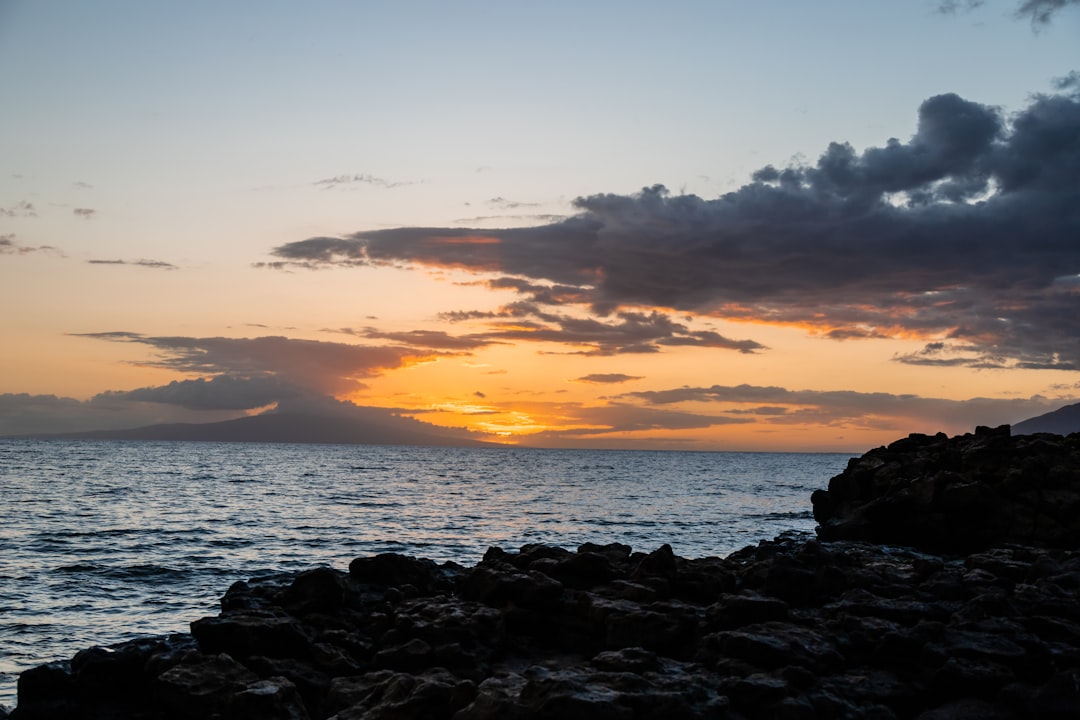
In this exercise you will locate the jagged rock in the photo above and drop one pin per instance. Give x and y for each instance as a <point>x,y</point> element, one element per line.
<point>959,494</point>
<point>203,686</point>
<point>272,699</point>
<point>410,575</point>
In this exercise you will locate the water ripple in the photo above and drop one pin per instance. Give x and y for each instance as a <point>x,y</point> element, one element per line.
<point>104,541</point>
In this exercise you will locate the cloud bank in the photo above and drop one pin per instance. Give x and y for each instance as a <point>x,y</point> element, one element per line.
<point>323,368</point>
<point>237,376</point>
<point>964,235</point>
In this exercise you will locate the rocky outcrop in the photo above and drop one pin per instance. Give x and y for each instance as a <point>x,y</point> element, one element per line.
<point>944,584</point>
<point>958,494</point>
<point>791,628</point>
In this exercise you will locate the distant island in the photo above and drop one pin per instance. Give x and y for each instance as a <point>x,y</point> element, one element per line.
<point>1062,421</point>
<point>362,426</point>
<point>339,423</point>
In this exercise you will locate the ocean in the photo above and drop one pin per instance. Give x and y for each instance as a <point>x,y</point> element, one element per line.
<point>103,541</point>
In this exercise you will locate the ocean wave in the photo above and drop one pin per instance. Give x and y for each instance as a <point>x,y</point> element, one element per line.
<point>125,572</point>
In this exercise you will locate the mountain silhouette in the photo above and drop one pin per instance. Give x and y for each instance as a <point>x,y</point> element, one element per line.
<point>1062,421</point>
<point>360,428</point>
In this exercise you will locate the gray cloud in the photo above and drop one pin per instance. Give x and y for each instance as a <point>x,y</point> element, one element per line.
<point>8,246</point>
<point>878,410</point>
<point>1042,11</point>
<point>535,218</point>
<point>222,392</point>
<point>607,378</point>
<point>191,401</point>
<point>154,264</point>
<point>626,332</point>
<point>21,209</point>
<point>504,204</point>
<point>313,366</point>
<point>84,213</point>
<point>24,414</point>
<point>966,232</point>
<point>582,423</point>
<point>430,339</point>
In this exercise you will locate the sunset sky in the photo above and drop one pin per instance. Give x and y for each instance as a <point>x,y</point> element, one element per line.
<point>727,225</point>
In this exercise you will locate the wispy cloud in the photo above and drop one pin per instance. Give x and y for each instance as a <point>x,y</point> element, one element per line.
<point>503,204</point>
<point>965,233</point>
<point>21,209</point>
<point>338,181</point>
<point>607,378</point>
<point>153,264</point>
<point>84,213</point>
<point>506,219</point>
<point>429,339</point>
<point>8,246</point>
<point>1040,12</point>
<point>625,332</point>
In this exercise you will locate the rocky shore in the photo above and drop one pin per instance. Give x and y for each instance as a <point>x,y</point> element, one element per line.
<point>944,584</point>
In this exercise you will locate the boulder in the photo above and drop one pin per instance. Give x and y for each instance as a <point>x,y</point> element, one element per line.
<point>959,494</point>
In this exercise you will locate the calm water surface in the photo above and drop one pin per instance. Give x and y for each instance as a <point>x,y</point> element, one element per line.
<point>103,541</point>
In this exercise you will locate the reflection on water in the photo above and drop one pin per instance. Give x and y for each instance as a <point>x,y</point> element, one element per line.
<point>102,541</point>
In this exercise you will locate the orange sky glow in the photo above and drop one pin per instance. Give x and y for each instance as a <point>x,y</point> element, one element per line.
<point>685,249</point>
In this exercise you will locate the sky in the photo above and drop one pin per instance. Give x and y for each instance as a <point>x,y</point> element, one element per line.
<point>722,225</point>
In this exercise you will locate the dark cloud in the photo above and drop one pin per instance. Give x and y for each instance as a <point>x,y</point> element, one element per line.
<point>626,332</point>
<point>541,293</point>
<point>949,7</point>
<point>1068,82</point>
<point>318,252</point>
<point>154,264</point>
<point>430,339</point>
<point>1042,11</point>
<point>195,401</point>
<point>966,232</point>
<point>23,414</point>
<point>320,367</point>
<point>607,378</point>
<point>223,392</point>
<point>877,410</point>
<point>84,213</point>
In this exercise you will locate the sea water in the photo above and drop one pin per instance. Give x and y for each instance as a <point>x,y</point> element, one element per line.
<point>103,541</point>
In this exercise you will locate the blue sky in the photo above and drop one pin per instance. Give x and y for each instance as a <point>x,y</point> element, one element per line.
<point>155,152</point>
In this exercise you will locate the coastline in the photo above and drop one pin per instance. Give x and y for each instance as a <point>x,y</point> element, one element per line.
<point>837,626</point>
